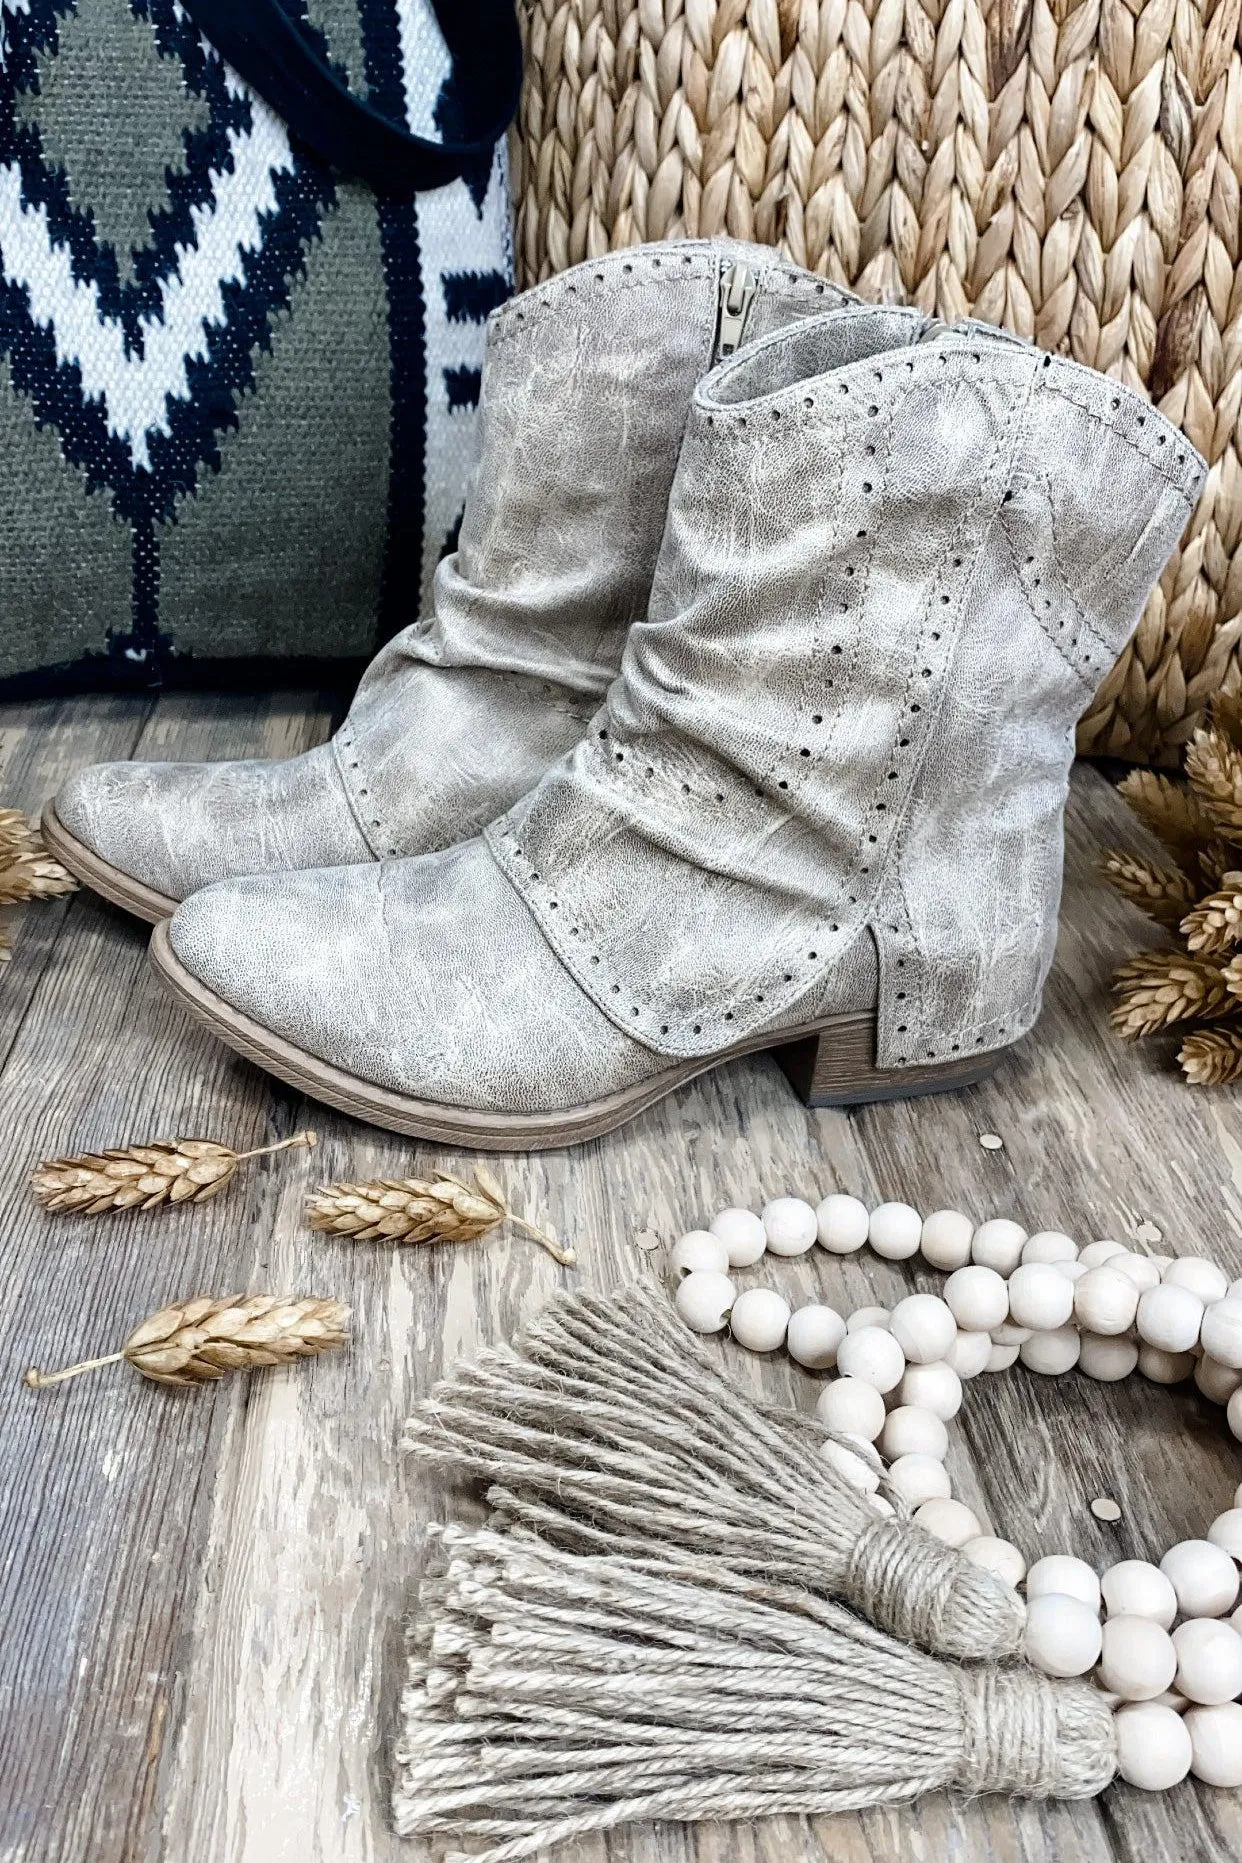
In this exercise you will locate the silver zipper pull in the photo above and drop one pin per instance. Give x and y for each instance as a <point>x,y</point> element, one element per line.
<point>738,285</point>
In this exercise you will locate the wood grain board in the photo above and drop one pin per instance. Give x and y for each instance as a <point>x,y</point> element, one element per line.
<point>202,1592</point>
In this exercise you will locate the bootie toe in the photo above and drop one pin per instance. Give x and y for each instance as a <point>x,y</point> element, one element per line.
<point>147,835</point>
<point>427,979</point>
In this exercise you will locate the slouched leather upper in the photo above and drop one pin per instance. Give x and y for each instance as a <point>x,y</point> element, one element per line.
<point>586,386</point>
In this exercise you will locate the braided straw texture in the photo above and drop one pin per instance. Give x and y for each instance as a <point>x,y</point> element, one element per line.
<point>1071,169</point>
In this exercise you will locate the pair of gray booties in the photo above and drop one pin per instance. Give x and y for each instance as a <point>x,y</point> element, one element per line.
<point>743,721</point>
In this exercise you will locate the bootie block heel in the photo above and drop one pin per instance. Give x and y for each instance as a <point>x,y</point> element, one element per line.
<point>837,1068</point>
<point>823,800</point>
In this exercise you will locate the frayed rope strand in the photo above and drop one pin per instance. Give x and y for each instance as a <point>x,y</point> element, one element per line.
<point>614,1423</point>
<point>551,1695</point>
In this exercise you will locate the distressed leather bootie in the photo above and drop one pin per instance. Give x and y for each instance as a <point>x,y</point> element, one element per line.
<point>822,809</point>
<point>586,387</point>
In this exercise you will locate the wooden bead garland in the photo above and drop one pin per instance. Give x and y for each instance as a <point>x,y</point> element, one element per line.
<point>1176,1691</point>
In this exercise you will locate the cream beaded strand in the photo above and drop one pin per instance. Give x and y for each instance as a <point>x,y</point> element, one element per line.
<point>1169,1653</point>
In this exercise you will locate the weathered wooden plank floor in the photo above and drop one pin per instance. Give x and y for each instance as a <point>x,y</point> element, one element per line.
<point>201,1592</point>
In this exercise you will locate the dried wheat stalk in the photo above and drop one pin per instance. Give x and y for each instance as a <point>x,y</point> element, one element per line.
<point>1216,922</point>
<point>33,876</point>
<point>1164,893</point>
<point>412,1209</point>
<point>1212,1057</point>
<point>145,1176</point>
<point>1173,813</point>
<point>1214,766</point>
<point>27,870</point>
<point>198,1340</point>
<point>1200,824</point>
<point>18,835</point>
<point>1160,988</point>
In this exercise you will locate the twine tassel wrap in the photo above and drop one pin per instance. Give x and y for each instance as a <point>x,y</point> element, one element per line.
<point>611,1431</point>
<point>551,1695</point>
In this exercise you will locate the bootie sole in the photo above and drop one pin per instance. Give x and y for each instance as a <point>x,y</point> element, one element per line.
<point>119,889</point>
<point>829,1064</point>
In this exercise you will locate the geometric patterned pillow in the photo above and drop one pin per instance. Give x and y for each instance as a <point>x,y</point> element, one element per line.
<point>237,392</point>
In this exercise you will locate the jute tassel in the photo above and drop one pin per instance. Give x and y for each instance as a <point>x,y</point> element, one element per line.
<point>552,1694</point>
<point>611,1430</point>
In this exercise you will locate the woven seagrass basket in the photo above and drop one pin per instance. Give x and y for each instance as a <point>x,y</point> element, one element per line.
<point>1070,170</point>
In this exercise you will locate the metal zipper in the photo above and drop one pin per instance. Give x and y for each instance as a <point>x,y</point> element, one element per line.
<point>738,285</point>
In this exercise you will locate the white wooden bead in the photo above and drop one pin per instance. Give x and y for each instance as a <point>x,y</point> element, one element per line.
<point>978,1298</point>
<point>895,1231</point>
<point>1137,1659</point>
<point>1105,1301</point>
<point>874,1356</point>
<point>1107,1359</point>
<point>1165,1367</point>
<point>1170,1317</point>
<point>882,1506</point>
<point>790,1225</point>
<point>1237,1495</point>
<point>1226,1532</point>
<point>1221,1332</point>
<point>969,1354</point>
<point>1204,1577</point>
<point>1209,1660</point>
<point>1049,1245</point>
<point>851,1408</point>
<point>1200,1277</point>
<point>814,1334</point>
<point>760,1319</point>
<point>1007,1334</point>
<point>1235,1289</point>
<point>854,1468</point>
<point>1040,1298</point>
<point>1072,1270</point>
<point>1052,1354</point>
<point>919,1478</point>
<point>947,1520</point>
<point>1136,1588</point>
<point>1001,1357</point>
<point>924,1327</point>
<point>1216,1744</point>
<point>1217,1382</point>
<point>1236,1620</point>
<point>698,1252</point>
<point>933,1387</point>
<point>868,1316</point>
<point>1097,1253</point>
<point>1153,1746</point>
<point>1140,1269</point>
<point>842,1224</point>
<point>1233,1414</point>
<point>945,1241</point>
<point>998,1244</point>
<point>1061,1575</point>
<point>1062,1635</point>
<point>742,1234</point>
<point>999,1556</point>
<point>910,1431</point>
<point>704,1300</point>
<point>1171,1699</point>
